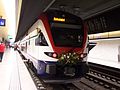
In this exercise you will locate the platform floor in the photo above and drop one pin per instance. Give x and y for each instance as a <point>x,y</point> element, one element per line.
<point>106,52</point>
<point>13,73</point>
<point>109,63</point>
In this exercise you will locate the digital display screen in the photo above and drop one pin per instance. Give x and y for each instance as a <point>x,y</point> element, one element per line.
<point>2,22</point>
<point>59,19</point>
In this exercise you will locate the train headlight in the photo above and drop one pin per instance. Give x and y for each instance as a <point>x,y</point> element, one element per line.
<point>54,55</point>
<point>83,55</point>
<point>51,54</point>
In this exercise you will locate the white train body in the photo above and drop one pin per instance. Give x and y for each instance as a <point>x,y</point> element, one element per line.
<point>48,50</point>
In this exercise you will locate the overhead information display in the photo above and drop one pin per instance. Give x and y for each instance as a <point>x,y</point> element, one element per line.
<point>105,22</point>
<point>2,22</point>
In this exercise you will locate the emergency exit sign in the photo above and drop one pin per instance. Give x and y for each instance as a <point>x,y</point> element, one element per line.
<point>2,22</point>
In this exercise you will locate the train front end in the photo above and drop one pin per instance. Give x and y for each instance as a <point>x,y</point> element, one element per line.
<point>68,39</point>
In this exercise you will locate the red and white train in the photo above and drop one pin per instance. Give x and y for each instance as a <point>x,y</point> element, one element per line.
<point>57,47</point>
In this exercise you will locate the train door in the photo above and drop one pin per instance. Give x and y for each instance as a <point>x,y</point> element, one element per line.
<point>119,53</point>
<point>26,47</point>
<point>42,45</point>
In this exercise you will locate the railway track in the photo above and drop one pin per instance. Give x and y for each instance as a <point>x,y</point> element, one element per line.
<point>44,86</point>
<point>95,80</point>
<point>104,77</point>
<point>84,84</point>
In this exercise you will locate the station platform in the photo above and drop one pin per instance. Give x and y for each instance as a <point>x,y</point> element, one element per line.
<point>13,73</point>
<point>106,52</point>
<point>108,63</point>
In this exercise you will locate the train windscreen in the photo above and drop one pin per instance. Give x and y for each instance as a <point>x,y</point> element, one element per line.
<point>67,34</point>
<point>67,29</point>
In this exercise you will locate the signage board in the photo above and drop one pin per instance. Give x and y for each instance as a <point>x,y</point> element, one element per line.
<point>2,22</point>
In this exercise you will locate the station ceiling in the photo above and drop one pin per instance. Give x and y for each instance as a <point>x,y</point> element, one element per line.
<point>31,9</point>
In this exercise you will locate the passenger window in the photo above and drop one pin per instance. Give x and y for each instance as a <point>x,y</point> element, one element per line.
<point>40,40</point>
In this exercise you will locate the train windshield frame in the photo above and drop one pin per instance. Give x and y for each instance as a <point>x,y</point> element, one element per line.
<point>67,35</point>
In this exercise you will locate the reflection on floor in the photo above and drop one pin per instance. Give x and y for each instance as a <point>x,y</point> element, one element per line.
<point>13,73</point>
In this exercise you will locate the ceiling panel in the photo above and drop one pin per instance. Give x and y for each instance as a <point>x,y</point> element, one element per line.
<point>85,8</point>
<point>30,12</point>
<point>31,9</point>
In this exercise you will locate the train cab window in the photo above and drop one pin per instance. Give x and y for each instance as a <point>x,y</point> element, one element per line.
<point>67,35</point>
<point>40,40</point>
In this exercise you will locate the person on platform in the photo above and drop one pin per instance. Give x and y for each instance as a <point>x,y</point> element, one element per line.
<point>2,49</point>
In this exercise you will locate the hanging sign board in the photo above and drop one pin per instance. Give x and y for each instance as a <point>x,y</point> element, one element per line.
<point>2,22</point>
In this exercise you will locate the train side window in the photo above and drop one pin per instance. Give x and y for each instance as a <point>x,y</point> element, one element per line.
<point>40,40</point>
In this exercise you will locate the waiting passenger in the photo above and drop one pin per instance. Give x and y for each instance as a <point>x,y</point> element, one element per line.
<point>15,47</point>
<point>2,49</point>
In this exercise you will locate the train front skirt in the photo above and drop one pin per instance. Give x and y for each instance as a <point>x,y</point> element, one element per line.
<point>56,71</point>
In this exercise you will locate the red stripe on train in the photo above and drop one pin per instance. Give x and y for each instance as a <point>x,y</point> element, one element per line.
<point>62,49</point>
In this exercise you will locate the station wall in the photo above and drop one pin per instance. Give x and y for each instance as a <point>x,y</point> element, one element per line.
<point>106,50</point>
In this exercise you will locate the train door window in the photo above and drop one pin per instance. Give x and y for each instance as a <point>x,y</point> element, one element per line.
<point>40,40</point>
<point>29,41</point>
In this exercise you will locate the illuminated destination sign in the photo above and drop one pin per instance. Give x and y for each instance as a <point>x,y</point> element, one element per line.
<point>2,22</point>
<point>59,19</point>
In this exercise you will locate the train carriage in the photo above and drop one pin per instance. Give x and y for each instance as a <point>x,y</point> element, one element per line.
<point>57,46</point>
